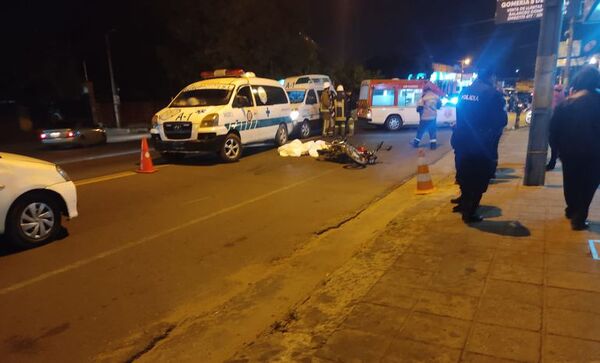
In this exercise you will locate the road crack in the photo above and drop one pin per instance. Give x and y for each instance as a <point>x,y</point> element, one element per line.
<point>152,343</point>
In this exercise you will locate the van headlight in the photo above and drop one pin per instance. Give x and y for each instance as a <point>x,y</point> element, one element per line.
<point>210,120</point>
<point>63,173</point>
<point>294,115</point>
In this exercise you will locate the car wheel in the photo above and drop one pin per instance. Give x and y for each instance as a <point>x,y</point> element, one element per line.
<point>393,123</point>
<point>172,157</point>
<point>305,130</point>
<point>281,137</point>
<point>231,150</point>
<point>33,220</point>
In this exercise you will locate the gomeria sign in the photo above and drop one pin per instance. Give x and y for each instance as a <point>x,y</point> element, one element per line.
<point>513,11</point>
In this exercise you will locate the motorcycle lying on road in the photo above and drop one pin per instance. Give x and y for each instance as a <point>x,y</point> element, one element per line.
<point>341,151</point>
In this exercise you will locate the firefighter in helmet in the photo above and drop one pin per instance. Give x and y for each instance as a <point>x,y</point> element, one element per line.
<point>341,111</point>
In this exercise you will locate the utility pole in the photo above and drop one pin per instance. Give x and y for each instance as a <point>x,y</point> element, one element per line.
<point>570,39</point>
<point>113,86</point>
<point>545,72</point>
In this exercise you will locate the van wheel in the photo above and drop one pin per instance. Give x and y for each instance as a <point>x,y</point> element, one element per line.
<point>305,130</point>
<point>33,220</point>
<point>231,150</point>
<point>281,137</point>
<point>393,123</point>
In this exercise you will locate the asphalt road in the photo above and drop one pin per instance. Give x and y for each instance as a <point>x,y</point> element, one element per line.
<point>180,241</point>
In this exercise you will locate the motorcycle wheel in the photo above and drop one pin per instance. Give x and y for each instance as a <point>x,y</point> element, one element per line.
<point>357,157</point>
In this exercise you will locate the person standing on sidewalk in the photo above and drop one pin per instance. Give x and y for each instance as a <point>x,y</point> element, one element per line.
<point>557,99</point>
<point>575,133</point>
<point>427,108</point>
<point>481,118</point>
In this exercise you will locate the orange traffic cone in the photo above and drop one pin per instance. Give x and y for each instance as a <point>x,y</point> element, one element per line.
<point>146,165</point>
<point>424,182</point>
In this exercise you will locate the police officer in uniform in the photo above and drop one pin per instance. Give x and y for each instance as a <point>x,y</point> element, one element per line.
<point>481,118</point>
<point>575,134</point>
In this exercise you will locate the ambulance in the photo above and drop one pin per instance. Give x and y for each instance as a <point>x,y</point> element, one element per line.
<point>224,112</point>
<point>304,100</point>
<point>319,81</point>
<point>392,103</point>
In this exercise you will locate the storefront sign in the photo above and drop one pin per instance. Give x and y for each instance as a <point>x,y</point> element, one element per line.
<point>514,11</point>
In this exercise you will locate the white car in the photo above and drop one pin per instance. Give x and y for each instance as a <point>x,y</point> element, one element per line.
<point>305,104</point>
<point>34,195</point>
<point>222,114</point>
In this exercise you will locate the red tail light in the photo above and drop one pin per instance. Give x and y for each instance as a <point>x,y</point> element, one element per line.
<point>43,136</point>
<point>70,134</point>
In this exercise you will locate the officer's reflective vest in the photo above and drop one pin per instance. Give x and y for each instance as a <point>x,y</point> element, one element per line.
<point>340,109</point>
<point>325,102</point>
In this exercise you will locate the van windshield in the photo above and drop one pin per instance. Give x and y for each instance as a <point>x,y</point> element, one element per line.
<point>202,97</point>
<point>296,96</point>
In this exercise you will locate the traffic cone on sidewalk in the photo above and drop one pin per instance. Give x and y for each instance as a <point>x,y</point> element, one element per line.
<point>146,165</point>
<point>424,182</point>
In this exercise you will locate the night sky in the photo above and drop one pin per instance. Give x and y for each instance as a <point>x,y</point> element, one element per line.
<point>397,37</point>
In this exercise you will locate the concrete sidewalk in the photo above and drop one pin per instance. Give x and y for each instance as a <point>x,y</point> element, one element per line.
<point>519,287</point>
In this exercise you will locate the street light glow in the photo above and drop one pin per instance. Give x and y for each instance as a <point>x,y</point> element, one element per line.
<point>467,61</point>
<point>594,60</point>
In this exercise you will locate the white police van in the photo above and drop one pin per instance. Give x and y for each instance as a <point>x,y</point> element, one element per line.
<point>222,113</point>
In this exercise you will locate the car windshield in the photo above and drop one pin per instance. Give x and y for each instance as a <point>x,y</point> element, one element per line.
<point>296,96</point>
<point>202,97</point>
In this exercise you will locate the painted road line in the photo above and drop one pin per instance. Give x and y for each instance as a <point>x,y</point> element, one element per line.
<point>593,249</point>
<point>196,200</point>
<point>103,178</point>
<point>155,236</point>
<point>96,157</point>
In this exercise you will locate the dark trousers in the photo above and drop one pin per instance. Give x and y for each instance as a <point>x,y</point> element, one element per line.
<point>581,178</point>
<point>473,174</point>
<point>429,126</point>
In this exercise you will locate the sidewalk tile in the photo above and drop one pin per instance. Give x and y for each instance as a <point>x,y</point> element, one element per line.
<point>408,351</point>
<point>393,293</point>
<point>573,263</point>
<point>472,286</point>
<point>574,324</point>
<point>578,248</point>
<point>456,306</point>
<point>510,314</point>
<point>375,319</point>
<point>517,273</point>
<point>353,346</point>
<point>419,261</point>
<point>521,245</point>
<point>563,349</point>
<point>436,329</point>
<point>527,259</point>
<point>515,291</point>
<point>480,358</point>
<point>573,280</point>
<point>573,300</point>
<point>504,342</point>
<point>408,277</point>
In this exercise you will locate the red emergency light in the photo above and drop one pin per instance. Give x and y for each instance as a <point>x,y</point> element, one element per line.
<point>222,73</point>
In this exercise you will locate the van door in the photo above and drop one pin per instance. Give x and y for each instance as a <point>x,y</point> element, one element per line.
<point>272,109</point>
<point>245,115</point>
